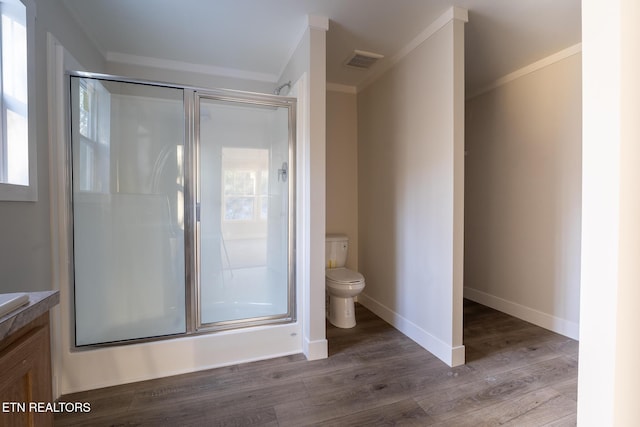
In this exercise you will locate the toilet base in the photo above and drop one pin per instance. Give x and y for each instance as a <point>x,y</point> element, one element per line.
<point>342,312</point>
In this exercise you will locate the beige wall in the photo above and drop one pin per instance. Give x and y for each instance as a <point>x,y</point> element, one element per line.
<point>523,180</point>
<point>342,170</point>
<point>410,157</point>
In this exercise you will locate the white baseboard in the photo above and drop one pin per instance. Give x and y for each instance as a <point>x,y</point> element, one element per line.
<point>452,356</point>
<point>561,326</point>
<point>314,350</point>
<point>457,356</point>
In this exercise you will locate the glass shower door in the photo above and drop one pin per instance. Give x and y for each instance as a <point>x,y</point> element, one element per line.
<point>181,210</point>
<point>128,210</point>
<point>244,224</point>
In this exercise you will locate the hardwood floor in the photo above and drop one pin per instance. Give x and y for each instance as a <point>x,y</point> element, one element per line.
<point>516,374</point>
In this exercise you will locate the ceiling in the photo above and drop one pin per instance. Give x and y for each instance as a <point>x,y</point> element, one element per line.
<point>257,37</point>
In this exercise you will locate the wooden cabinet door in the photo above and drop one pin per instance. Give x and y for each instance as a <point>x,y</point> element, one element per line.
<point>25,376</point>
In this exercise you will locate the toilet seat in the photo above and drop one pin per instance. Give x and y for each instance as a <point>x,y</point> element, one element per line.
<point>343,276</point>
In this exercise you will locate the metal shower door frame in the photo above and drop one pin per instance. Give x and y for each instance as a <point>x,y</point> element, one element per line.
<point>245,98</point>
<point>191,100</point>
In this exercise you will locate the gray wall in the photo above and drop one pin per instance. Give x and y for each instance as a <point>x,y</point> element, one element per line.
<point>25,245</point>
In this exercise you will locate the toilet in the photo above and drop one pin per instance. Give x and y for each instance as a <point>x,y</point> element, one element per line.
<point>342,284</point>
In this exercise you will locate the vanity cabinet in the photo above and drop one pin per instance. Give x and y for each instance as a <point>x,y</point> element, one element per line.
<point>25,365</point>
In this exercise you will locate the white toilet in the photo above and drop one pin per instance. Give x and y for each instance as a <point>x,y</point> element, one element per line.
<point>341,283</point>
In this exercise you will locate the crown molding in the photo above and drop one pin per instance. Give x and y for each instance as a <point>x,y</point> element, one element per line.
<point>145,61</point>
<point>453,13</point>
<point>535,66</point>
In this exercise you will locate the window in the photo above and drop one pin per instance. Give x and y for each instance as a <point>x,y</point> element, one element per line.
<point>17,150</point>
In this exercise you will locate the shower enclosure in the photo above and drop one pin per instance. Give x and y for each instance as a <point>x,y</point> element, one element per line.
<point>182,203</point>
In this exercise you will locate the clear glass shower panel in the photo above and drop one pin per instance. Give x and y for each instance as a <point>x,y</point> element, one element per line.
<point>128,210</point>
<point>244,196</point>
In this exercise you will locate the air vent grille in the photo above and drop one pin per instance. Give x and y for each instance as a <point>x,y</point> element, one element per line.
<point>362,59</point>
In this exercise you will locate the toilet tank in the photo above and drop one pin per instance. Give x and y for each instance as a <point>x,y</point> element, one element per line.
<point>335,249</point>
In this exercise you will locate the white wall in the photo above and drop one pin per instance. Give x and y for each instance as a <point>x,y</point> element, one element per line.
<point>609,372</point>
<point>25,247</point>
<point>342,170</point>
<point>307,72</point>
<point>522,196</point>
<point>410,175</point>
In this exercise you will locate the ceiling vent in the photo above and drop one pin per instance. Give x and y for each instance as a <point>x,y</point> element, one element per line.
<point>362,59</point>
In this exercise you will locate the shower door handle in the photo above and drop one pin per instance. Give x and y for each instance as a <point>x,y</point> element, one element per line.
<point>282,172</point>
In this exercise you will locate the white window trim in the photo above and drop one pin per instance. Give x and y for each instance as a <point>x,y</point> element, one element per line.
<point>27,193</point>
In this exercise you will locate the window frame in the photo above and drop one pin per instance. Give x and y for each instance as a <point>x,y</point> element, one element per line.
<point>29,192</point>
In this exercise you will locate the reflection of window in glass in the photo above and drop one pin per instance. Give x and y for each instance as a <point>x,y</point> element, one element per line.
<point>14,145</point>
<point>180,185</point>
<point>245,184</point>
<point>238,184</point>
<point>264,194</point>
<point>94,128</point>
<point>85,109</point>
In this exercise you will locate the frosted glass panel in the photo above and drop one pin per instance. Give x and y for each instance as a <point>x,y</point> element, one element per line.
<point>244,212</point>
<point>128,186</point>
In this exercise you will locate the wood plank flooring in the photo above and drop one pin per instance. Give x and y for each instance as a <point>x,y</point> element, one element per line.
<point>516,374</point>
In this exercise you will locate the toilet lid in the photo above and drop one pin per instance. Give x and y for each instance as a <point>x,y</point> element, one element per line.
<point>344,275</point>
